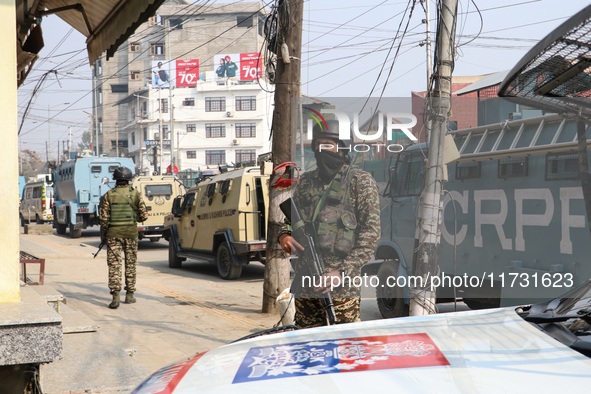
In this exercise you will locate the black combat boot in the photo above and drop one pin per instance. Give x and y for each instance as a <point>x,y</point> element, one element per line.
<point>129,299</point>
<point>115,303</point>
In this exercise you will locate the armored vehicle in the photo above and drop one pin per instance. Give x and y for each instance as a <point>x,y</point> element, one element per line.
<point>517,220</point>
<point>158,192</point>
<point>78,185</point>
<point>222,219</point>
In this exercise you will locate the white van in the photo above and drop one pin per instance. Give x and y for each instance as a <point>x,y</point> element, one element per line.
<point>36,202</point>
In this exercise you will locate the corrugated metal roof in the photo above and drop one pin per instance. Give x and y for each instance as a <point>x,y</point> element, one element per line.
<point>483,83</point>
<point>106,23</point>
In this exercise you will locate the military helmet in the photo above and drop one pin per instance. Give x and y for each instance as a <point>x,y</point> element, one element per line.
<point>330,130</point>
<point>122,174</point>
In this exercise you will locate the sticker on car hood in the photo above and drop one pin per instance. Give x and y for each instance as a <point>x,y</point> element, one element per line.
<point>339,356</point>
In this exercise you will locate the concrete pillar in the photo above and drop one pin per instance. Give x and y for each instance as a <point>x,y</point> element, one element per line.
<point>9,230</point>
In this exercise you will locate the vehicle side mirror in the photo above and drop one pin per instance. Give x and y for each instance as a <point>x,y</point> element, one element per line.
<point>176,207</point>
<point>105,181</point>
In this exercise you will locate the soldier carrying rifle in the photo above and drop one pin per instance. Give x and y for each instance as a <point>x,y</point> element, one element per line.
<point>340,206</point>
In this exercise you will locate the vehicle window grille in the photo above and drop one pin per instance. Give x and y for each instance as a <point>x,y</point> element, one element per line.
<point>512,167</point>
<point>562,167</point>
<point>468,170</point>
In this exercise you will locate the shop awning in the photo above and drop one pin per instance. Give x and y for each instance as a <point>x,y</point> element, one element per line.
<point>106,24</point>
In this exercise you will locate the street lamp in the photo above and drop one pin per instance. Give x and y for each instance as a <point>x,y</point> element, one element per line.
<point>49,129</point>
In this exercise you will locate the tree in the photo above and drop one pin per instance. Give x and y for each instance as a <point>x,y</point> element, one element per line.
<point>30,163</point>
<point>85,144</point>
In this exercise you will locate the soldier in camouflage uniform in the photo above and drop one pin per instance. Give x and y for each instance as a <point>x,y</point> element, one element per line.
<point>120,210</point>
<point>341,204</point>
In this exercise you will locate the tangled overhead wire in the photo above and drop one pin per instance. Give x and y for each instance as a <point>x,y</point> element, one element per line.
<point>275,30</point>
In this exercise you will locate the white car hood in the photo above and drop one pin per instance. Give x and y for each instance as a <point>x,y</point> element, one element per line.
<point>488,351</point>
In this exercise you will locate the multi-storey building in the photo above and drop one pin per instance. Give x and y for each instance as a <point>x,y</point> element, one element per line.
<point>213,124</point>
<point>180,30</point>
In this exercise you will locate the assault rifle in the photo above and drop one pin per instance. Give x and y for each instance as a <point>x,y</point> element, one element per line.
<point>310,255</point>
<point>100,247</point>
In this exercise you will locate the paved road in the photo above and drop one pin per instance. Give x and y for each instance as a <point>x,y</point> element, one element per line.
<point>179,312</point>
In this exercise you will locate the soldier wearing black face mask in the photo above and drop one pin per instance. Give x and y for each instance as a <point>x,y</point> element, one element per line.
<point>340,204</point>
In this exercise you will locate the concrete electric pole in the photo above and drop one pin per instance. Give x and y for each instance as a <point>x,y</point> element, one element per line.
<point>288,88</point>
<point>430,204</point>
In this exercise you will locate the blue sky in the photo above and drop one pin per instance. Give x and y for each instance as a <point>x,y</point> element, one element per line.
<point>345,44</point>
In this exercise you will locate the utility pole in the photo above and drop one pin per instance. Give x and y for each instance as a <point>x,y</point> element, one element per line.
<point>178,150</point>
<point>117,139</point>
<point>429,60</point>
<point>49,131</point>
<point>288,89</point>
<point>70,141</point>
<point>171,114</point>
<point>161,128</point>
<point>430,204</point>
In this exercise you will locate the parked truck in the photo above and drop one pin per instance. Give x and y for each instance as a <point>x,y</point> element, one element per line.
<point>222,219</point>
<point>519,219</point>
<point>78,186</point>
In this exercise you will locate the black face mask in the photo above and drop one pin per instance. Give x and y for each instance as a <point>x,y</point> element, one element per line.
<point>329,164</point>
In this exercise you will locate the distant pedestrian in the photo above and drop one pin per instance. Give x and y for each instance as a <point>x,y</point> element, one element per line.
<point>120,210</point>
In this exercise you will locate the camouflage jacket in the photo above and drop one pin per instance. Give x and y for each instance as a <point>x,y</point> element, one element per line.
<point>116,232</point>
<point>364,200</point>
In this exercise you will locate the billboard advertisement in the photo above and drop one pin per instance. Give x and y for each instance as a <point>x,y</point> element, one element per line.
<point>187,73</point>
<point>163,75</point>
<point>183,73</point>
<point>238,66</point>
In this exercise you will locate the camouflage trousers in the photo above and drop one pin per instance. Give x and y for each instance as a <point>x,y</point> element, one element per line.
<point>310,313</point>
<point>121,251</point>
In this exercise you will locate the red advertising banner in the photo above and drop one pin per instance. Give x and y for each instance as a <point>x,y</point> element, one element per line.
<point>251,65</point>
<point>187,73</point>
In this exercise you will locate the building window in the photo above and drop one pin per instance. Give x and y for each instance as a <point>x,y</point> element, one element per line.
<point>145,110</point>
<point>215,157</point>
<point>215,104</point>
<point>508,168</point>
<point>245,156</point>
<point>165,132</point>
<point>100,121</point>
<point>215,130</point>
<point>145,130</point>
<point>120,88</point>
<point>134,75</point>
<point>191,154</point>
<point>133,138</point>
<point>164,105</point>
<point>100,95</point>
<point>468,170</point>
<point>189,102</point>
<point>134,47</point>
<point>246,130</point>
<point>191,128</point>
<point>244,21</point>
<point>154,20</point>
<point>175,24</point>
<point>157,48</point>
<point>563,166</point>
<point>246,103</point>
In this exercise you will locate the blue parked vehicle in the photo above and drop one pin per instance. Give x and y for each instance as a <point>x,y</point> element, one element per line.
<point>79,184</point>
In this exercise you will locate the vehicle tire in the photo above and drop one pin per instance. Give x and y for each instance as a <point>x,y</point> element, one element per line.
<point>23,221</point>
<point>174,261</point>
<point>75,232</point>
<point>390,298</point>
<point>38,219</point>
<point>154,240</point>
<point>226,267</point>
<point>60,228</point>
